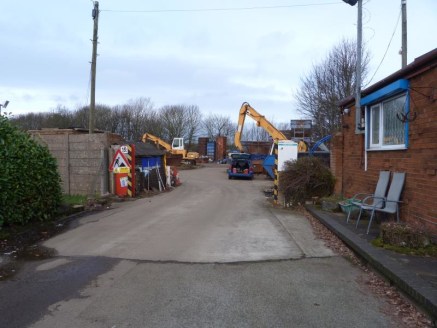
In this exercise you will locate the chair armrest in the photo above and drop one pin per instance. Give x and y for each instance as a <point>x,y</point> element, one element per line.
<point>393,201</point>
<point>378,202</point>
<point>359,197</point>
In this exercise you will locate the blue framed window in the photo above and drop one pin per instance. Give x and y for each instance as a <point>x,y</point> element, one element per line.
<point>384,131</point>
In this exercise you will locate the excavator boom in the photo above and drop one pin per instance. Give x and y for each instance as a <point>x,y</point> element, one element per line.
<point>157,141</point>
<point>176,148</point>
<point>260,120</point>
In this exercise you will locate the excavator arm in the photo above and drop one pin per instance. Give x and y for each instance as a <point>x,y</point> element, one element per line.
<point>176,149</point>
<point>157,141</point>
<point>260,120</point>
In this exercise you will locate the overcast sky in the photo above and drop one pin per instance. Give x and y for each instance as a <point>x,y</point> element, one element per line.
<point>216,59</point>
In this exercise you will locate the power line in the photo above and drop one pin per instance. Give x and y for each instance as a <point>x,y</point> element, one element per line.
<point>388,46</point>
<point>220,9</point>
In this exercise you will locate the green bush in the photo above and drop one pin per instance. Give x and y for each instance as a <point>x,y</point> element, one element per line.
<point>29,181</point>
<point>305,178</point>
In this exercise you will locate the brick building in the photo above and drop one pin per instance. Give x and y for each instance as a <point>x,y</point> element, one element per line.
<point>396,130</point>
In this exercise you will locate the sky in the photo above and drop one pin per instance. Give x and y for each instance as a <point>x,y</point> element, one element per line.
<point>213,54</point>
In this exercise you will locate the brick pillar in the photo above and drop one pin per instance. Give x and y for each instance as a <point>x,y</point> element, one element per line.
<point>337,162</point>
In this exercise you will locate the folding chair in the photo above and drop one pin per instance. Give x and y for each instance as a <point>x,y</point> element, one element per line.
<point>380,191</point>
<point>389,204</point>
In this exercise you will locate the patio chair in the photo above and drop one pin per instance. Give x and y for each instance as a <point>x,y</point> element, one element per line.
<point>380,191</point>
<point>389,204</point>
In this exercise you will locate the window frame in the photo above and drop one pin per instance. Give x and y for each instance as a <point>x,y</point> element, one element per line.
<point>373,144</point>
<point>375,101</point>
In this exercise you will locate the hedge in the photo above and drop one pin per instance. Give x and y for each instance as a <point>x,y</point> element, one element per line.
<point>30,185</point>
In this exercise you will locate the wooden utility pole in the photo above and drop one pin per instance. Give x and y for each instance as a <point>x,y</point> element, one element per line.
<point>404,33</point>
<point>95,15</point>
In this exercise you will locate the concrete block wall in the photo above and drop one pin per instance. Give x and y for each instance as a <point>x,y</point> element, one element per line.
<point>419,161</point>
<point>82,158</point>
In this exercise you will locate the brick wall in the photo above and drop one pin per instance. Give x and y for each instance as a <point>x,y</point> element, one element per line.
<point>201,144</point>
<point>221,147</point>
<point>257,147</point>
<point>419,161</point>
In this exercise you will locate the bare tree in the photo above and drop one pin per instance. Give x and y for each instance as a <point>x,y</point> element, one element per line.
<point>194,120</point>
<point>218,125</point>
<point>176,121</point>
<point>103,117</point>
<point>29,121</point>
<point>138,117</point>
<point>130,120</point>
<point>80,117</point>
<point>173,119</point>
<point>282,126</point>
<point>252,132</point>
<point>60,117</point>
<point>152,123</point>
<point>327,83</point>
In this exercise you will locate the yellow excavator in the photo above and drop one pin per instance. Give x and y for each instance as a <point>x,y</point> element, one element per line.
<point>176,148</point>
<point>247,110</point>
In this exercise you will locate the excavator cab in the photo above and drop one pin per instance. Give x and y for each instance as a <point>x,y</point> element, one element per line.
<point>178,144</point>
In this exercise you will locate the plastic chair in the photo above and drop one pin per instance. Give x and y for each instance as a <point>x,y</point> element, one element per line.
<point>389,204</point>
<point>380,191</point>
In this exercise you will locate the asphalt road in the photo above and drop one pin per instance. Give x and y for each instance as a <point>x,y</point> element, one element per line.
<point>211,253</point>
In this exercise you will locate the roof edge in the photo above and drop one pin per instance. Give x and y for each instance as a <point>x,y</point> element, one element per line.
<point>427,59</point>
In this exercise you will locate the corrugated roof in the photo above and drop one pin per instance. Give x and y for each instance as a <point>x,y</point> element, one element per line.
<point>146,149</point>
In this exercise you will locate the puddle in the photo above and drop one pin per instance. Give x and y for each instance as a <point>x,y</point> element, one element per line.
<point>35,253</point>
<point>49,265</point>
<point>8,268</point>
<point>11,262</point>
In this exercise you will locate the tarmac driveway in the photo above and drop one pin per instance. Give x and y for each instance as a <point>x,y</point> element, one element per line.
<point>207,219</point>
<point>211,253</point>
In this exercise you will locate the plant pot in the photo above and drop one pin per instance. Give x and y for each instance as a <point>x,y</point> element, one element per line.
<point>346,207</point>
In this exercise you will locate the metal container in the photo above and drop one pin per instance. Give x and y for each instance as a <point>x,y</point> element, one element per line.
<point>210,150</point>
